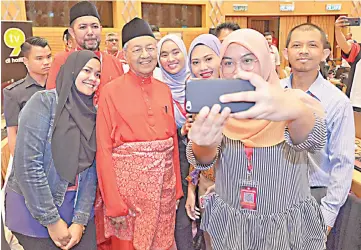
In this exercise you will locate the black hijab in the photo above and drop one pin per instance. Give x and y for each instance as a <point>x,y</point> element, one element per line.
<point>73,143</point>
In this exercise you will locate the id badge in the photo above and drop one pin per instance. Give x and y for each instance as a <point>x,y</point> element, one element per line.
<point>249,197</point>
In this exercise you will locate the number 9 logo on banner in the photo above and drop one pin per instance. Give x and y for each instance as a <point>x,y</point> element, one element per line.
<point>14,38</point>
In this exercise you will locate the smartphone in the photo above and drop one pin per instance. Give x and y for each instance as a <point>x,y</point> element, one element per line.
<point>206,92</point>
<point>353,21</point>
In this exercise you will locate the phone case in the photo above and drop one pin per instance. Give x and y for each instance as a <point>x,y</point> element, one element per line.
<point>206,92</point>
<point>353,21</point>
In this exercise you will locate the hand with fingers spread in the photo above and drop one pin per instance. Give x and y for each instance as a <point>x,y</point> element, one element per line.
<point>192,211</point>
<point>207,128</point>
<point>309,101</point>
<point>76,231</point>
<point>272,103</point>
<point>59,233</point>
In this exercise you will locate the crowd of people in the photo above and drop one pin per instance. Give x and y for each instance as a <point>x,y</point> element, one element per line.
<point>106,157</point>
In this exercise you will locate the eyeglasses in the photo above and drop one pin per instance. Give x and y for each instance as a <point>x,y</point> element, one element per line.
<point>138,51</point>
<point>247,63</point>
<point>113,40</point>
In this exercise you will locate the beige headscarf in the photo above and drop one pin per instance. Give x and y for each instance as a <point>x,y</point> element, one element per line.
<point>255,133</point>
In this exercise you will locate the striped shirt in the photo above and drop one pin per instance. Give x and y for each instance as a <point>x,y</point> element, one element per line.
<point>333,166</point>
<point>287,216</point>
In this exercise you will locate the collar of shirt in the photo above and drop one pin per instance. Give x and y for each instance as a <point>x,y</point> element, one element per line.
<point>115,55</point>
<point>140,80</point>
<point>315,90</point>
<point>98,53</point>
<point>29,81</point>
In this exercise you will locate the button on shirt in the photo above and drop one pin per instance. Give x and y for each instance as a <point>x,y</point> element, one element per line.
<point>15,97</point>
<point>332,167</point>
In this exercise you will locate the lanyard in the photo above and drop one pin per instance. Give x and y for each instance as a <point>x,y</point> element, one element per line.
<point>184,113</point>
<point>249,154</point>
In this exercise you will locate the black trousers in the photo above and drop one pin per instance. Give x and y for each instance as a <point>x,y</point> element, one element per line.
<point>183,226</point>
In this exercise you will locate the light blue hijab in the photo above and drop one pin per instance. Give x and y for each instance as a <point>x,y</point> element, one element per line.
<point>177,81</point>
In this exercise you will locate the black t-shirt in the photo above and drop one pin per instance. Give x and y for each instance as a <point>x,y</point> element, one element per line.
<point>15,97</point>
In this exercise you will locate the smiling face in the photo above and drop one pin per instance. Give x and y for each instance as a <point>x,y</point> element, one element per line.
<point>87,32</point>
<point>88,78</point>
<point>305,50</point>
<point>171,57</point>
<point>205,63</point>
<point>141,55</point>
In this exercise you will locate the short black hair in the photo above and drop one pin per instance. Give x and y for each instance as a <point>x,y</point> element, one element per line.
<point>154,28</point>
<point>228,26</point>
<point>66,34</point>
<point>307,27</point>
<point>33,41</point>
<point>212,31</point>
<point>267,33</point>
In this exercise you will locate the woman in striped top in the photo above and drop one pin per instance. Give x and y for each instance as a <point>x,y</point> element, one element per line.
<point>262,198</point>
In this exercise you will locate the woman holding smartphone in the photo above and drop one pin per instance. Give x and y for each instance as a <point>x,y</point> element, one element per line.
<point>172,59</point>
<point>204,63</point>
<point>51,188</point>
<point>262,199</point>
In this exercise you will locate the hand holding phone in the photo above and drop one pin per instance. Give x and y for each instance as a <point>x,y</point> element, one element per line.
<point>344,21</point>
<point>271,101</point>
<point>206,92</point>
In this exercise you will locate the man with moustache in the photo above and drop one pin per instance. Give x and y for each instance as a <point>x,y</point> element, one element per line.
<point>86,30</point>
<point>137,152</point>
<point>37,59</point>
<point>330,170</point>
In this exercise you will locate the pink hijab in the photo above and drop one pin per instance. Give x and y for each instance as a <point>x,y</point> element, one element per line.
<point>254,133</point>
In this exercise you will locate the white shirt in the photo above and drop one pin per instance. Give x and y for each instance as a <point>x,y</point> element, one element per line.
<point>275,55</point>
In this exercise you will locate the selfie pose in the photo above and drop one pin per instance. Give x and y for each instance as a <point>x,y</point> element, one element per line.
<point>51,188</point>
<point>262,198</point>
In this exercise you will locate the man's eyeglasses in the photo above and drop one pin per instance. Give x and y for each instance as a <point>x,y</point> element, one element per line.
<point>138,51</point>
<point>113,40</point>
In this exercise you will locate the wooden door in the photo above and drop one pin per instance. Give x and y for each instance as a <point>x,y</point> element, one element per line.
<point>240,20</point>
<point>327,23</point>
<point>286,24</point>
<point>259,25</point>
